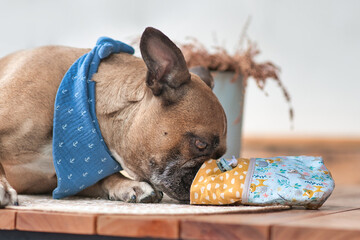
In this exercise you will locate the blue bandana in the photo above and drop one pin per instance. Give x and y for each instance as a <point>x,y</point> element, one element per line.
<point>81,157</point>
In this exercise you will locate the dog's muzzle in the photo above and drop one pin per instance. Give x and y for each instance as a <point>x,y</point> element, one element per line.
<point>175,181</point>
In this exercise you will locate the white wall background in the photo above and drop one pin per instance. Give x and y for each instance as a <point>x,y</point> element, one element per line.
<point>316,44</point>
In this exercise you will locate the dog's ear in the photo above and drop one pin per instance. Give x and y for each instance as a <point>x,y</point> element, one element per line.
<point>167,70</point>
<point>204,74</point>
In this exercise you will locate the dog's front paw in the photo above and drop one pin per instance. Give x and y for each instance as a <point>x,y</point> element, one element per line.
<point>135,192</point>
<point>131,191</point>
<point>8,195</point>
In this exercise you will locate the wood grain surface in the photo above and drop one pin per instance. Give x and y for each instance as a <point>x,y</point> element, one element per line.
<point>260,226</point>
<point>7,219</point>
<point>343,225</point>
<point>55,222</point>
<point>138,226</point>
<point>248,226</point>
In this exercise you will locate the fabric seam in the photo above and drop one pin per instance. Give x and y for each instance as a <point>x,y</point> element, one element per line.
<point>245,193</point>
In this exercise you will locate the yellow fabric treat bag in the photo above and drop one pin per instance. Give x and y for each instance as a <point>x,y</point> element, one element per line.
<point>212,186</point>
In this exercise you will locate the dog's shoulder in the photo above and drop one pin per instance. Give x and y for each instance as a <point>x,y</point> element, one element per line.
<point>31,62</point>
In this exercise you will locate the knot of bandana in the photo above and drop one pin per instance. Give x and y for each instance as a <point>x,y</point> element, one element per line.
<point>81,157</point>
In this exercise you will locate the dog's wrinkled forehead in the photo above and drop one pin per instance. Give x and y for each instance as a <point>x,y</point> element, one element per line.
<point>201,106</point>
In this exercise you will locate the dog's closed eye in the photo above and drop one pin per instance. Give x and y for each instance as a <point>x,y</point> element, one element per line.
<point>200,144</point>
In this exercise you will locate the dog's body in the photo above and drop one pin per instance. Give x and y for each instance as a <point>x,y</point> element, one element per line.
<point>158,121</point>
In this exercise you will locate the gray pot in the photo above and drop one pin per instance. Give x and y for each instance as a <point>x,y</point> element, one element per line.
<point>231,98</point>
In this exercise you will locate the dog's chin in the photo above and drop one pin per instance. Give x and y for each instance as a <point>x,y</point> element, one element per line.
<point>176,182</point>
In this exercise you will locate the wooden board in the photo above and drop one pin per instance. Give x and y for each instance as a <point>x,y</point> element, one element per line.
<point>197,229</point>
<point>344,225</point>
<point>7,219</point>
<point>248,226</point>
<point>138,226</point>
<point>259,226</point>
<point>55,222</point>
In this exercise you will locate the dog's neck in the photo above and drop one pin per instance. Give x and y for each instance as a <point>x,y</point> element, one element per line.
<point>120,96</point>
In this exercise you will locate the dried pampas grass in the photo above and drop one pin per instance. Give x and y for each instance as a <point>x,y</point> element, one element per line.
<point>242,63</point>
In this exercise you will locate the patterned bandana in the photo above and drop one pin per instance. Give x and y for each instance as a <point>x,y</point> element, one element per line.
<point>81,157</point>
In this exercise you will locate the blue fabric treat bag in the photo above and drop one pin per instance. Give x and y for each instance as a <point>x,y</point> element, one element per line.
<point>81,157</point>
<point>288,180</point>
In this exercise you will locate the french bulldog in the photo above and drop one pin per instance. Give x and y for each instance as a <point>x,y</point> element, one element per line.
<point>159,121</point>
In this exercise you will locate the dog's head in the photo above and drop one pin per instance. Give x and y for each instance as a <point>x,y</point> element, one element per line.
<point>179,123</point>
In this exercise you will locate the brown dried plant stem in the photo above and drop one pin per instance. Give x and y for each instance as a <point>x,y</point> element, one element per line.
<point>242,63</point>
